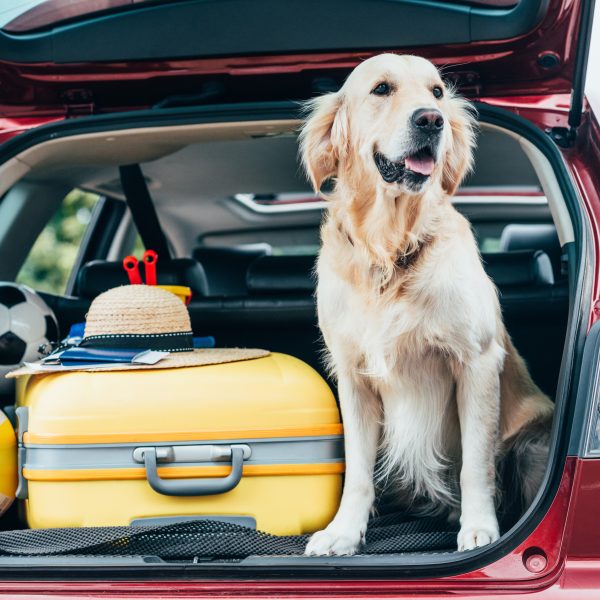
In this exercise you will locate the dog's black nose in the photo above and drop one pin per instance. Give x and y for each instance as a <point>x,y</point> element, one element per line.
<point>428,119</point>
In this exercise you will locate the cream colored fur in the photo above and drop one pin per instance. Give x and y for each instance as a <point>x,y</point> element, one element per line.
<point>427,374</point>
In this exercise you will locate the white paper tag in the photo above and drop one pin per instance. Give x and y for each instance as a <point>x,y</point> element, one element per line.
<point>149,357</point>
<point>52,359</point>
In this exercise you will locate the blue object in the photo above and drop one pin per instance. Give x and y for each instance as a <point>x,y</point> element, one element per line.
<point>81,356</point>
<point>204,342</point>
<point>77,330</point>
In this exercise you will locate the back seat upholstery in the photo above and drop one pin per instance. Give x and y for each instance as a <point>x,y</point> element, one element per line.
<point>98,276</point>
<point>226,268</point>
<point>276,309</point>
<point>540,236</point>
<point>534,306</point>
<point>281,274</point>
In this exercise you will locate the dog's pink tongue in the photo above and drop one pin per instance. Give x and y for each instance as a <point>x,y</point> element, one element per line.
<point>424,166</point>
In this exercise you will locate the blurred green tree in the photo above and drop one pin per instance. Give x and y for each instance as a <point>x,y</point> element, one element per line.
<point>51,259</point>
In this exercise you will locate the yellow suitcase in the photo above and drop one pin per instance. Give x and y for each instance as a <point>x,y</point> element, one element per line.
<point>258,441</point>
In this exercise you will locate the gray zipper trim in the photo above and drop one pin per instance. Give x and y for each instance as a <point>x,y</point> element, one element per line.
<point>308,450</point>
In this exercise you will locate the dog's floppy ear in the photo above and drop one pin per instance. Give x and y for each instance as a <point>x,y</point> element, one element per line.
<point>323,137</point>
<point>459,158</point>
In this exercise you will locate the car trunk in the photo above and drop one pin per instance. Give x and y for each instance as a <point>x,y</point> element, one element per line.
<point>84,143</point>
<point>193,86</point>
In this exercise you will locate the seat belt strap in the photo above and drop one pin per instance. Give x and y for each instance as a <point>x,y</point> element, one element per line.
<point>143,210</point>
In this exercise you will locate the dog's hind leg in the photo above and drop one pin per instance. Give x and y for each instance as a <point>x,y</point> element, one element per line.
<point>521,468</point>
<point>360,414</point>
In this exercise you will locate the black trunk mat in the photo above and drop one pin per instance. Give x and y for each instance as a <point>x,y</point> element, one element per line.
<point>390,534</point>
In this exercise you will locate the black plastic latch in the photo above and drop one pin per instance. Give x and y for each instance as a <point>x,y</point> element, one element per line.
<point>468,83</point>
<point>562,136</point>
<point>78,103</point>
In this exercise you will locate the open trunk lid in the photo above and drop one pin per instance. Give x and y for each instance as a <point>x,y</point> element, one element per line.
<point>66,57</point>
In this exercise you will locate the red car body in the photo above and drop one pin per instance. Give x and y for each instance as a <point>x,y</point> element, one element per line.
<point>560,559</point>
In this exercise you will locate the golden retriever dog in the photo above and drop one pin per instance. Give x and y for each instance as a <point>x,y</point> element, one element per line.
<point>430,386</point>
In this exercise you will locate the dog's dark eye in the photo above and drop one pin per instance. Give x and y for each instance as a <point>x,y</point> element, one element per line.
<point>437,91</point>
<point>381,89</point>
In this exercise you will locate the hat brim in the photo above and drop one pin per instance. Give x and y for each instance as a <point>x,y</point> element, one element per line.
<point>175,360</point>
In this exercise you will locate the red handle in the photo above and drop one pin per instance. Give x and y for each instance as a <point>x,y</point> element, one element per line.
<point>130,264</point>
<point>150,257</point>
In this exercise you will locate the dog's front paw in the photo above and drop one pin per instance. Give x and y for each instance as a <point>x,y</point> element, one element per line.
<point>334,541</point>
<point>476,535</point>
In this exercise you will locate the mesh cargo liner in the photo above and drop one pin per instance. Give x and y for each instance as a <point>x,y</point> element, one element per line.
<point>390,534</point>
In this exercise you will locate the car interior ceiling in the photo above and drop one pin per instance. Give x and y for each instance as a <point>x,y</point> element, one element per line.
<point>252,272</point>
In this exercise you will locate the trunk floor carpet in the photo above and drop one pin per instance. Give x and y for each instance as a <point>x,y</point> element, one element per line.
<point>389,534</point>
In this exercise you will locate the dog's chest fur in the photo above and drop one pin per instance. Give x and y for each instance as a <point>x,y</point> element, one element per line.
<point>441,304</point>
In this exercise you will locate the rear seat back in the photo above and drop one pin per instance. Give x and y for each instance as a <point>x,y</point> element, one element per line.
<point>98,276</point>
<point>533,236</point>
<point>534,307</point>
<point>519,268</point>
<point>281,274</point>
<point>276,309</point>
<point>226,268</point>
<point>295,274</point>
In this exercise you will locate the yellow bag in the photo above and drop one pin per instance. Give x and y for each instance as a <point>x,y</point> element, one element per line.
<point>259,440</point>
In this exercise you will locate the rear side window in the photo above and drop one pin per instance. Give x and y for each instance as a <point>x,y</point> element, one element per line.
<point>52,257</point>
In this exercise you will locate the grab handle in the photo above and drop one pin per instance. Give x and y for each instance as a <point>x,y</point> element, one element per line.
<point>193,487</point>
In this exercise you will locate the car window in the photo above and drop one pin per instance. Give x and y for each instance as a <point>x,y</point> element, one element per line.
<point>303,250</point>
<point>53,255</point>
<point>135,247</point>
<point>300,241</point>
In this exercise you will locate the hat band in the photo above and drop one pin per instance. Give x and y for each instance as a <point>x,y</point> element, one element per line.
<point>177,341</point>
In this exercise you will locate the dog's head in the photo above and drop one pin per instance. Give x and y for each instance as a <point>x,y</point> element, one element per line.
<point>393,124</point>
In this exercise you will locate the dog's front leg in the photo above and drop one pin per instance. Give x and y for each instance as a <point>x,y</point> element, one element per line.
<point>478,397</point>
<point>360,415</point>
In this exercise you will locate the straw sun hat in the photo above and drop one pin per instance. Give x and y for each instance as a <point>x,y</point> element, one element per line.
<point>147,317</point>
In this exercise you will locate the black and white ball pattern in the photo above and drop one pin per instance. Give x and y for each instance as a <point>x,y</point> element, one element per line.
<point>26,323</point>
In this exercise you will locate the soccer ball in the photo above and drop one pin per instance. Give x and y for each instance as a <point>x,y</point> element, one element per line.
<point>26,323</point>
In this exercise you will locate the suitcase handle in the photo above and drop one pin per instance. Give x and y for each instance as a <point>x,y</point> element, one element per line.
<point>193,487</point>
